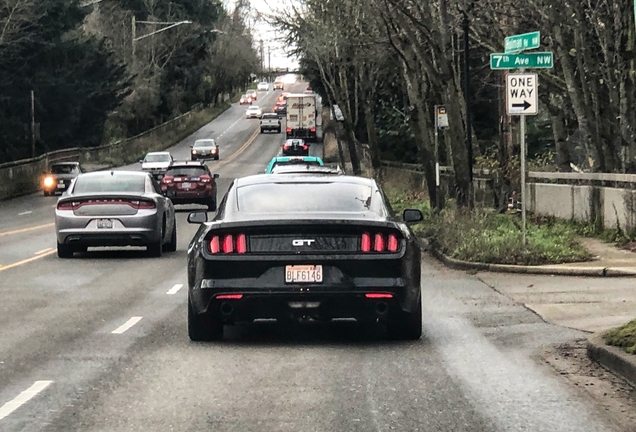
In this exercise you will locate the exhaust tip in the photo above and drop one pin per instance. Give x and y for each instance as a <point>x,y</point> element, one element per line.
<point>381,308</point>
<point>226,308</point>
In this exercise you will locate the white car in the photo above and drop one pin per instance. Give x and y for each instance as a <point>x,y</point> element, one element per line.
<point>254,112</point>
<point>156,162</point>
<point>262,86</point>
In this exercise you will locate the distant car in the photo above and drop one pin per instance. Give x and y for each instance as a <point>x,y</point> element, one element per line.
<point>262,86</point>
<point>252,93</point>
<point>280,108</point>
<point>295,147</point>
<point>190,183</point>
<point>156,163</point>
<point>279,161</point>
<point>299,247</point>
<point>60,176</point>
<point>270,122</point>
<point>245,100</point>
<point>204,149</point>
<point>254,112</point>
<point>278,85</point>
<point>115,208</point>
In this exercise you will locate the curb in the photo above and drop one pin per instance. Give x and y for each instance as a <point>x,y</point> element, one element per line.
<point>522,269</point>
<point>612,358</point>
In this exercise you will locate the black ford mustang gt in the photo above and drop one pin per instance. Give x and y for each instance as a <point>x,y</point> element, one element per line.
<point>303,246</point>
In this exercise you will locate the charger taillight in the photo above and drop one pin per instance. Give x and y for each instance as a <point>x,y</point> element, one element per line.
<point>228,243</point>
<point>379,242</point>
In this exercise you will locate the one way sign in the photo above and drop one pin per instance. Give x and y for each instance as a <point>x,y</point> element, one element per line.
<point>521,94</point>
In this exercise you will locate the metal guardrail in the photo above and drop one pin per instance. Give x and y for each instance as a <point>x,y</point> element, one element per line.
<point>602,177</point>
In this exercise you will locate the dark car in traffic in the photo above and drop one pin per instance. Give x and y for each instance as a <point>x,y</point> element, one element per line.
<point>190,182</point>
<point>60,176</point>
<point>280,108</point>
<point>295,147</point>
<point>297,247</point>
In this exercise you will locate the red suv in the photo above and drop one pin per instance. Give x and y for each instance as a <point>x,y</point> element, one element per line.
<point>190,182</point>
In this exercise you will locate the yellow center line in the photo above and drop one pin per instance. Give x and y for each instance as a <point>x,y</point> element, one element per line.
<point>239,151</point>
<point>25,261</point>
<point>23,230</point>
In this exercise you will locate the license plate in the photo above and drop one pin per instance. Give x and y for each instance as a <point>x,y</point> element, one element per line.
<point>104,223</point>
<point>186,185</point>
<point>303,273</point>
<point>60,185</point>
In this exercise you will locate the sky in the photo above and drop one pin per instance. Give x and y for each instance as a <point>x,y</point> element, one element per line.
<point>277,55</point>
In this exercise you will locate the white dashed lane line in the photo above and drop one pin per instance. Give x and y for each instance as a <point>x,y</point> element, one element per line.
<point>175,289</point>
<point>127,325</point>
<point>25,213</point>
<point>23,398</point>
<point>231,126</point>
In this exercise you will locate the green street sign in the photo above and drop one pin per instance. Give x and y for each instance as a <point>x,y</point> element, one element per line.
<point>535,60</point>
<point>521,42</point>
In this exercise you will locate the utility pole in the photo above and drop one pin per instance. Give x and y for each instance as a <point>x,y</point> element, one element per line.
<point>262,56</point>
<point>133,40</point>
<point>467,101</point>
<point>269,58</point>
<point>32,124</point>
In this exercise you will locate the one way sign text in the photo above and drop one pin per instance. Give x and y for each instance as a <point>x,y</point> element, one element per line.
<point>521,94</point>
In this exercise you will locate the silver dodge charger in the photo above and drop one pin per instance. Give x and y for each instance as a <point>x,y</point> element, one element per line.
<point>115,208</point>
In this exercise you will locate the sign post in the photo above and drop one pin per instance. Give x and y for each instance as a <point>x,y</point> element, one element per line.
<point>522,90</point>
<point>441,122</point>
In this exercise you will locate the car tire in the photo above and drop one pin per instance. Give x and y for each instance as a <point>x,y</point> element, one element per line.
<point>64,250</point>
<point>278,130</point>
<point>217,157</point>
<point>262,130</point>
<point>406,326</point>
<point>203,328</point>
<point>171,246</point>
<point>156,249</point>
<point>193,159</point>
<point>46,193</point>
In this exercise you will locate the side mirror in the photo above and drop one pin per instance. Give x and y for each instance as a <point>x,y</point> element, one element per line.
<point>198,217</point>
<point>141,161</point>
<point>216,176</point>
<point>412,215</point>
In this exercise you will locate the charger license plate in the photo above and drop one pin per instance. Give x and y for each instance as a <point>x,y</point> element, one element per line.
<point>104,223</point>
<point>303,274</point>
<point>186,185</point>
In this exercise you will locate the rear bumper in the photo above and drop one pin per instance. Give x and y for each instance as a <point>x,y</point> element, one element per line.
<point>137,230</point>
<point>189,197</point>
<point>326,305</point>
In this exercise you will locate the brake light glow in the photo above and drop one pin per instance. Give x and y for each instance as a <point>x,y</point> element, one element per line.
<point>167,180</point>
<point>313,129</point>
<point>205,179</point>
<point>228,243</point>
<point>241,244</point>
<point>378,295</point>
<point>229,296</point>
<point>136,204</point>
<point>365,244</point>
<point>285,146</point>
<point>379,242</point>
<point>288,130</point>
<point>305,146</point>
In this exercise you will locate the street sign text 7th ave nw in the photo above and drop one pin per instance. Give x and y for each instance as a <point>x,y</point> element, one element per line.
<point>533,60</point>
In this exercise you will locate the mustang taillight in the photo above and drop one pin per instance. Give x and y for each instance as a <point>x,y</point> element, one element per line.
<point>228,243</point>
<point>379,242</point>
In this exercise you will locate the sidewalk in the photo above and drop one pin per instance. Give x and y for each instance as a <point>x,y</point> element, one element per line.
<point>577,295</point>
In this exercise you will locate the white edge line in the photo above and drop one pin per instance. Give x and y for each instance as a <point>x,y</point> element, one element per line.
<point>127,325</point>
<point>175,289</point>
<point>23,398</point>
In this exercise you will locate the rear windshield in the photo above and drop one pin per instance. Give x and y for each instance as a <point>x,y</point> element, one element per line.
<point>270,116</point>
<point>187,172</point>
<point>304,197</point>
<point>157,158</point>
<point>110,183</point>
<point>296,162</point>
<point>63,169</point>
